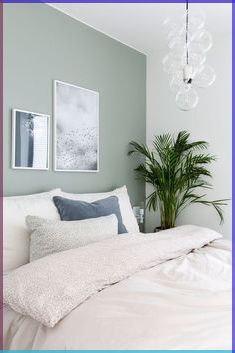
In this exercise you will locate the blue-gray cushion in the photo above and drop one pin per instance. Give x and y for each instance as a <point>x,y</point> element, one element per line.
<point>74,210</point>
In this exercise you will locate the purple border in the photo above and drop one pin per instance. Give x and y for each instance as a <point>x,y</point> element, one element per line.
<point>1,175</point>
<point>116,1</point>
<point>233,168</point>
<point>1,122</point>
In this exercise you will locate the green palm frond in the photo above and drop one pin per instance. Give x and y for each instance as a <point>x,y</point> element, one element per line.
<point>176,168</point>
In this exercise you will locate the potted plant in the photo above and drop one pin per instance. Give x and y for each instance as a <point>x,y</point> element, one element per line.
<point>178,171</point>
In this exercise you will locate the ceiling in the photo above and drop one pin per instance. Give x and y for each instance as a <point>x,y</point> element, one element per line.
<point>139,25</point>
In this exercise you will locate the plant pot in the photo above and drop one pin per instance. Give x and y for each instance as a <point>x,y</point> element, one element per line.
<point>157,229</point>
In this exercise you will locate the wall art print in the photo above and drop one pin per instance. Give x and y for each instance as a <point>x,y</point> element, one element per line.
<point>30,140</point>
<point>76,128</point>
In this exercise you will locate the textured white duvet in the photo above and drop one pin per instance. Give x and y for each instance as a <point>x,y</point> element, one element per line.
<point>173,300</point>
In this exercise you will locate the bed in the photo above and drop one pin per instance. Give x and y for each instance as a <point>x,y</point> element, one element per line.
<point>166,291</point>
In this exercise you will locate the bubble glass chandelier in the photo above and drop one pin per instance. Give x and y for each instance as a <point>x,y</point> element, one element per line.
<point>185,63</point>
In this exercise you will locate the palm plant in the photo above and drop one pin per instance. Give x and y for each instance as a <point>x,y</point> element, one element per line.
<point>178,171</point>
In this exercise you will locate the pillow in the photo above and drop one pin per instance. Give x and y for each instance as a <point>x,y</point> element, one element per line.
<point>48,237</point>
<point>15,233</point>
<point>128,217</point>
<point>71,210</point>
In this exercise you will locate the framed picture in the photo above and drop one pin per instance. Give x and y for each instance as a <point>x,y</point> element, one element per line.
<point>76,128</point>
<point>30,140</point>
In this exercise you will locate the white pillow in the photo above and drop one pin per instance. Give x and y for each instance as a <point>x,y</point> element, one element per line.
<point>128,217</point>
<point>15,233</point>
<point>48,237</point>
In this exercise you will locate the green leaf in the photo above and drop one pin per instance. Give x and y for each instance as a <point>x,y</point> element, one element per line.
<point>178,169</point>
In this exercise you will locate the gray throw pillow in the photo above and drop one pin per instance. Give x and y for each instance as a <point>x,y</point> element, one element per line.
<point>49,236</point>
<point>71,210</point>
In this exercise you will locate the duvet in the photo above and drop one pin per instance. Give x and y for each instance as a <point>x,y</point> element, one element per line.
<point>165,291</point>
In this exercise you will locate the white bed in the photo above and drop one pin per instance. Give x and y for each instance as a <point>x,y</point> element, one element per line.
<point>166,291</point>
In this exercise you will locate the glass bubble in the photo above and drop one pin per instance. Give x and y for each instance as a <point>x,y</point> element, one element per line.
<point>178,30</point>
<point>178,53</point>
<point>196,20</point>
<point>191,33</point>
<point>196,48</point>
<point>205,77</point>
<point>204,39</point>
<point>171,64</point>
<point>168,25</point>
<point>176,81</point>
<point>166,62</point>
<point>176,41</point>
<point>186,98</point>
<point>196,59</point>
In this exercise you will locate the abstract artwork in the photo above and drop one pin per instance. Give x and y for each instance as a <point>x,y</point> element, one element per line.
<point>30,140</point>
<point>76,128</point>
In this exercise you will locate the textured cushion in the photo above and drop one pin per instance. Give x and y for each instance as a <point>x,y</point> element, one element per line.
<point>71,210</point>
<point>128,217</point>
<point>48,237</point>
<point>15,232</point>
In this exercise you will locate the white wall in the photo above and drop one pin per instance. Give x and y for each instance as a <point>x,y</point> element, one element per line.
<point>210,121</point>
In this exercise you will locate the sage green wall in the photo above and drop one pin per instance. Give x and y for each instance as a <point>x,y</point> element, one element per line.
<point>42,44</point>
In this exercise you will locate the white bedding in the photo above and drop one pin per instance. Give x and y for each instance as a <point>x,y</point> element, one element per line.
<point>183,303</point>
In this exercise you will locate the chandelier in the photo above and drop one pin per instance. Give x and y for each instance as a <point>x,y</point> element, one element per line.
<point>185,63</point>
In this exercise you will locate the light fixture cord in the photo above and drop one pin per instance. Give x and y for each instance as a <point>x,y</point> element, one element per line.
<point>186,33</point>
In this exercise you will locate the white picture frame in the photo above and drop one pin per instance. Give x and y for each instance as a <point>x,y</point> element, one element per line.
<point>66,98</point>
<point>40,159</point>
